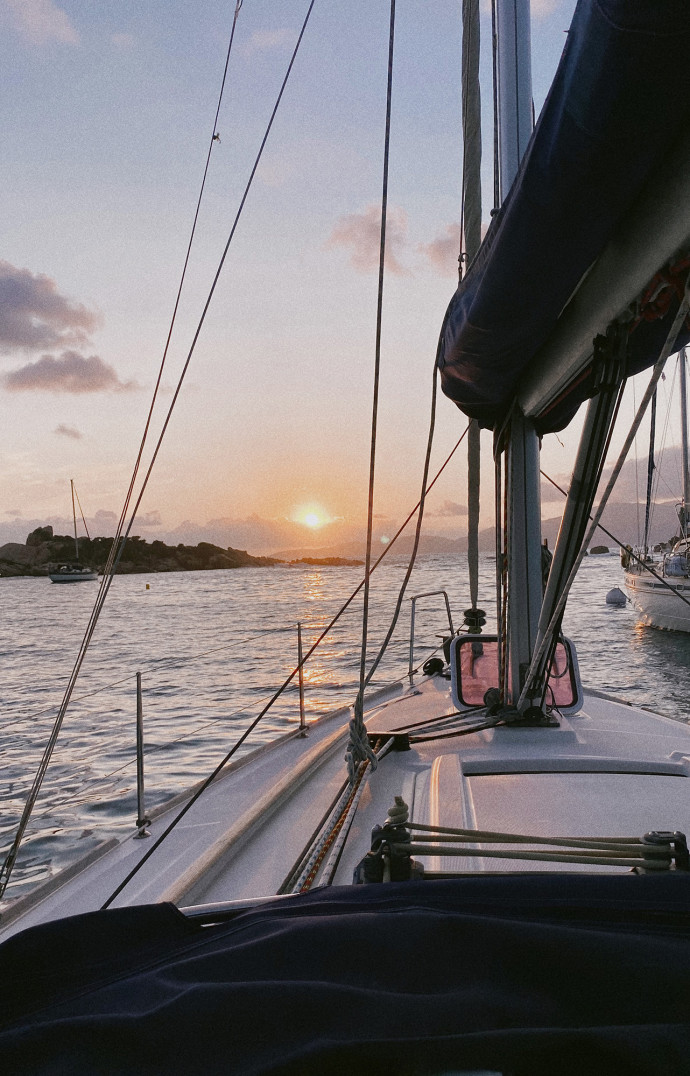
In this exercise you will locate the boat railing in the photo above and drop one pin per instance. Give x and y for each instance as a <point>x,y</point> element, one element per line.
<point>414,599</point>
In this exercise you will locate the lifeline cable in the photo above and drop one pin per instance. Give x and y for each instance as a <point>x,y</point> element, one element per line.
<point>279,691</point>
<point>417,536</point>
<point>359,703</point>
<point>115,556</point>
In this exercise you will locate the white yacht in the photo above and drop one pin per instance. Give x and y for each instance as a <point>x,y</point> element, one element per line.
<point>484,869</point>
<point>659,583</point>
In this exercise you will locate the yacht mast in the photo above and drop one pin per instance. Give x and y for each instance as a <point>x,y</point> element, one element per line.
<point>74,517</point>
<point>524,501</point>
<point>683,362</point>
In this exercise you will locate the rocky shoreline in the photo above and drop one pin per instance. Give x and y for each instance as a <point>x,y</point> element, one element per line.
<point>44,549</point>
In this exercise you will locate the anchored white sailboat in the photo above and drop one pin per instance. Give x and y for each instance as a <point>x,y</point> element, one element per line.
<point>497,878</point>
<point>659,585</point>
<point>73,571</point>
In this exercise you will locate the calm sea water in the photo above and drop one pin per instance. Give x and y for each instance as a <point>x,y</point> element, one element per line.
<point>212,647</point>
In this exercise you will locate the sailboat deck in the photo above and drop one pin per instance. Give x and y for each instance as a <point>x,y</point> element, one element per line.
<point>610,770</point>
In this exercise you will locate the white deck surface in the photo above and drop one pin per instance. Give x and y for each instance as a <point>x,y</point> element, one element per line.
<point>610,770</point>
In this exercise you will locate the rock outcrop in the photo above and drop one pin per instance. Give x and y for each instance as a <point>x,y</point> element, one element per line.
<point>44,548</point>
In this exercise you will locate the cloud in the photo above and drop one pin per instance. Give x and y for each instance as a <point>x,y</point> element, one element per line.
<point>104,518</point>
<point>34,315</point>
<point>41,21</point>
<point>149,519</point>
<point>67,431</point>
<point>267,40</point>
<point>361,234</point>
<point>70,372</point>
<point>449,509</point>
<point>443,251</point>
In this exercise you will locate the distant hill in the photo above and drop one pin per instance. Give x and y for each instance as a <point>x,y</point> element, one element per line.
<point>621,520</point>
<point>43,548</point>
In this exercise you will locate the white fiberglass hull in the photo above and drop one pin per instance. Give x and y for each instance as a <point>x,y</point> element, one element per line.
<point>609,769</point>
<point>86,576</point>
<point>658,606</point>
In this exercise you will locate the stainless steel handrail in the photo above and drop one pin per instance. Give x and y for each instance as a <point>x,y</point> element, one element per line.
<point>414,599</point>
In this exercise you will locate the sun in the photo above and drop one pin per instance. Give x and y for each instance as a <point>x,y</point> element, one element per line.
<point>310,515</point>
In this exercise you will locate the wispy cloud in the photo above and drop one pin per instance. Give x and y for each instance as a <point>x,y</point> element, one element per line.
<point>443,251</point>
<point>41,21</point>
<point>149,519</point>
<point>67,431</point>
<point>104,518</point>
<point>34,315</point>
<point>448,510</point>
<point>70,372</point>
<point>269,40</point>
<point>360,233</point>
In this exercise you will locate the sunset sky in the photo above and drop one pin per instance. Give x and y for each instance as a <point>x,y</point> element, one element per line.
<point>107,113</point>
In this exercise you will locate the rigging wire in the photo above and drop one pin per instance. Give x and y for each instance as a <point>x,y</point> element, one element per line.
<point>658,476</point>
<point>83,519</point>
<point>640,561</point>
<point>418,534</point>
<point>472,232</point>
<point>178,662</point>
<point>494,83</point>
<point>540,657</point>
<point>359,703</point>
<point>637,475</point>
<point>116,552</point>
<point>287,681</point>
<point>650,469</point>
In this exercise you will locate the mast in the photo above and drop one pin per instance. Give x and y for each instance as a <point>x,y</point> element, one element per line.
<point>683,362</point>
<point>651,464</point>
<point>74,517</point>
<point>524,500</point>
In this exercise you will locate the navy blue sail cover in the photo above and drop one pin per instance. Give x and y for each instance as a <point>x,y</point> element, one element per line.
<point>527,974</point>
<point>620,98</point>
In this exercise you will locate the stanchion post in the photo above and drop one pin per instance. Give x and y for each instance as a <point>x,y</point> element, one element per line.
<point>142,820</point>
<point>302,718</point>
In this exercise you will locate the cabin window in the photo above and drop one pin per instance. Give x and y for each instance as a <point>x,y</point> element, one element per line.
<point>474,669</point>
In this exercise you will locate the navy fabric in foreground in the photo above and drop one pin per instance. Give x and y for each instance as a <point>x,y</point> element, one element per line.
<point>531,974</point>
<point>620,98</point>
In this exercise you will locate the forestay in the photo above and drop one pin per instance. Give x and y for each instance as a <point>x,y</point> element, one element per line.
<point>619,102</point>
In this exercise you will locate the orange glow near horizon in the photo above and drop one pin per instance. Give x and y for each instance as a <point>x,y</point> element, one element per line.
<point>310,515</point>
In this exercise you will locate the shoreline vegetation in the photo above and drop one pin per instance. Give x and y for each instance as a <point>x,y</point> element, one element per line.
<point>43,550</point>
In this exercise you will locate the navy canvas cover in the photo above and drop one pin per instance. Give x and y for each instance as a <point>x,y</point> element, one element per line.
<point>525,974</point>
<point>619,100</point>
